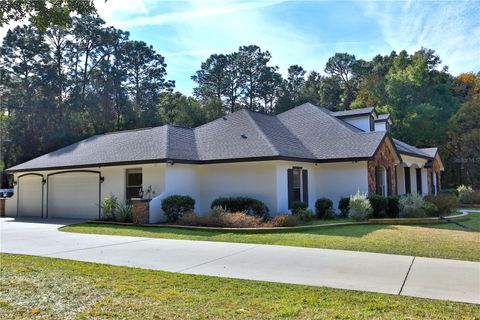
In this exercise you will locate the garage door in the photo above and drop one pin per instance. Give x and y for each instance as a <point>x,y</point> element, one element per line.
<point>29,196</point>
<point>73,195</point>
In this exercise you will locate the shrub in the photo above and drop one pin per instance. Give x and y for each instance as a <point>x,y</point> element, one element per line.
<point>283,220</point>
<point>248,205</point>
<point>109,207</point>
<point>411,206</point>
<point>175,206</point>
<point>304,215</point>
<point>466,195</point>
<point>379,205</point>
<point>344,206</point>
<point>299,205</point>
<point>393,209</point>
<point>360,207</point>
<point>239,220</point>
<point>324,208</point>
<point>431,210</point>
<point>445,202</point>
<point>449,191</point>
<point>125,212</point>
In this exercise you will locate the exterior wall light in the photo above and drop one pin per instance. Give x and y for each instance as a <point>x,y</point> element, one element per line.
<point>15,182</point>
<point>102,179</point>
<point>44,181</point>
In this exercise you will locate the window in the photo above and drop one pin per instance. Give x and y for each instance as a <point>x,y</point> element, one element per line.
<point>297,185</point>
<point>408,187</point>
<point>372,123</point>
<point>134,183</point>
<point>419,180</point>
<point>381,180</point>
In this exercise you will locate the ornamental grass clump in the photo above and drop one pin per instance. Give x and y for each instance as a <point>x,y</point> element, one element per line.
<point>360,208</point>
<point>412,206</point>
<point>466,195</point>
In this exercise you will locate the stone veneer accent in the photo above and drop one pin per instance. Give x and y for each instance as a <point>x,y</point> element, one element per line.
<point>141,211</point>
<point>385,157</point>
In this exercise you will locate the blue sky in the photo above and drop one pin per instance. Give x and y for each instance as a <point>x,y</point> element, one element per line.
<point>298,32</point>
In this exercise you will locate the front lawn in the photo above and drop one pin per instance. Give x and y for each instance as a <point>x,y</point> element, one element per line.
<point>35,287</point>
<point>436,240</point>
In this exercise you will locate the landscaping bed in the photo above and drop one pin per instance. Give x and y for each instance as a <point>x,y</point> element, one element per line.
<point>47,288</point>
<point>310,225</point>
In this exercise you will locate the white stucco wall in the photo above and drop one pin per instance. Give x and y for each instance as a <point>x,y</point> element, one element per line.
<point>359,122</point>
<point>334,180</point>
<point>250,179</point>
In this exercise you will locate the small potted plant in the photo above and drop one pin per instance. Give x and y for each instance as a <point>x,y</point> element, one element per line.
<point>148,193</point>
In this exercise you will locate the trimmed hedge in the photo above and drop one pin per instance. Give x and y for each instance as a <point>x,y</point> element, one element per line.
<point>393,209</point>
<point>379,205</point>
<point>250,206</point>
<point>298,206</point>
<point>324,208</point>
<point>344,206</point>
<point>176,206</point>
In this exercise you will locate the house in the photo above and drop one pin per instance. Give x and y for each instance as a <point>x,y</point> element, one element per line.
<point>302,154</point>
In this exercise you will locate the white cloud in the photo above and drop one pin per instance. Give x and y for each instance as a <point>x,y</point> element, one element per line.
<point>452,29</point>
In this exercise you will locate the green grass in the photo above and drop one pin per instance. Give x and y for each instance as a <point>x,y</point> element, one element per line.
<point>447,241</point>
<point>35,287</point>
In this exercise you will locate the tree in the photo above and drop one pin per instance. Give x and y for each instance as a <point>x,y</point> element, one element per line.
<point>178,109</point>
<point>342,66</point>
<point>145,79</point>
<point>212,78</point>
<point>44,13</point>
<point>463,146</point>
<point>270,85</point>
<point>252,62</point>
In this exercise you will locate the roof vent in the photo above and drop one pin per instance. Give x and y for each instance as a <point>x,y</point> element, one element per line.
<point>243,136</point>
<point>224,118</point>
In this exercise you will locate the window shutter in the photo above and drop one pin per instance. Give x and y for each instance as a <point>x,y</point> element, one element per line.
<point>305,185</point>
<point>290,187</point>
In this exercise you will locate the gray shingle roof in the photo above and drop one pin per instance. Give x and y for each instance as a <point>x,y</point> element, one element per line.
<point>306,132</point>
<point>431,152</point>
<point>405,148</point>
<point>383,117</point>
<point>353,112</point>
<point>328,137</point>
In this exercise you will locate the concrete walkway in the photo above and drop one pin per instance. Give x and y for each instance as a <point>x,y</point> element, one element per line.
<point>394,274</point>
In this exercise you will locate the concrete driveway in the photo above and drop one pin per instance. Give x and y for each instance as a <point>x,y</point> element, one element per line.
<point>394,274</point>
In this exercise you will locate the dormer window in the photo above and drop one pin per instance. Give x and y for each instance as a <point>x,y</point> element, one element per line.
<point>372,123</point>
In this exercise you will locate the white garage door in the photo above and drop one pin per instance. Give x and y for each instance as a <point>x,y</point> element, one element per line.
<point>30,196</point>
<point>73,195</point>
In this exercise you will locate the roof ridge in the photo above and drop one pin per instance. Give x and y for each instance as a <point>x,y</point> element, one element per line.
<point>272,147</point>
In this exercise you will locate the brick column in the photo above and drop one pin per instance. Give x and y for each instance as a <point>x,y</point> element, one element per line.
<point>141,211</point>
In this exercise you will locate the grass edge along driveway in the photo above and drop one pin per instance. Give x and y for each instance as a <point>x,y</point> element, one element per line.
<point>38,287</point>
<point>447,241</point>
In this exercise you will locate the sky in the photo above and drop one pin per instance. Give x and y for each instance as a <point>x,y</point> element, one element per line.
<point>298,32</point>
